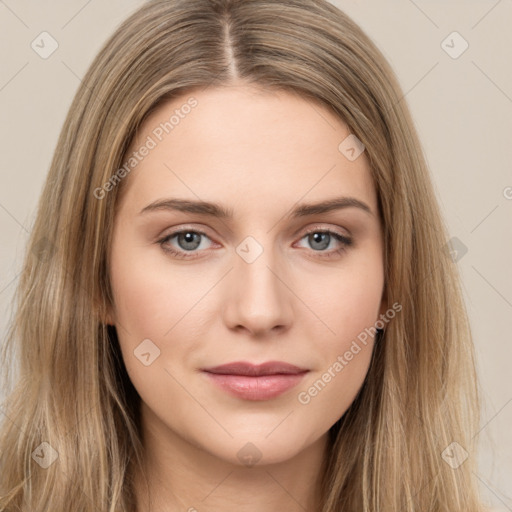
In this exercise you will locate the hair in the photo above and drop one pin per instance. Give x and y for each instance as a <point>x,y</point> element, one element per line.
<point>72,390</point>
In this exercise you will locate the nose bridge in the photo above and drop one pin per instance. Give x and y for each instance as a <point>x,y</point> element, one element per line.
<point>258,297</point>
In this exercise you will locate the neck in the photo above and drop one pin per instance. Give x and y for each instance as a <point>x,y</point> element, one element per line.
<point>182,477</point>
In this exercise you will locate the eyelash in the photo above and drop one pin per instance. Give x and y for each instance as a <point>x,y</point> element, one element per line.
<point>345,241</point>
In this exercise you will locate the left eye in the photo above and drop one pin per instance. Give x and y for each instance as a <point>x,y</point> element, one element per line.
<point>189,241</point>
<point>320,240</point>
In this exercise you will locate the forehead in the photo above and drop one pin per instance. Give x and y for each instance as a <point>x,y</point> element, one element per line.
<point>243,145</point>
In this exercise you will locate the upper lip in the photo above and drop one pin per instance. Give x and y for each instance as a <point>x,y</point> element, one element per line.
<point>249,369</point>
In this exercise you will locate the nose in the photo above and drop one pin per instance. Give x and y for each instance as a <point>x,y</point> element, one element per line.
<point>257,297</point>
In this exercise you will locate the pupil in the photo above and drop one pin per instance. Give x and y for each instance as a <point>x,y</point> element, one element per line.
<point>187,239</point>
<point>317,238</point>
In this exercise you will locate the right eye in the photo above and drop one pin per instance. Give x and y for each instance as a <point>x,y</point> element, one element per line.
<point>188,241</point>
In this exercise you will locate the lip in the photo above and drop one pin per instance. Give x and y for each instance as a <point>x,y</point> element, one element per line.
<point>256,382</point>
<point>255,370</point>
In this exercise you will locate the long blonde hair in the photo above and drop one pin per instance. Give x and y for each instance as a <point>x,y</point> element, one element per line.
<point>391,450</point>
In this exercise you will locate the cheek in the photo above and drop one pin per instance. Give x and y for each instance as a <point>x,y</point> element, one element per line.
<point>149,299</point>
<point>348,303</point>
<point>150,309</point>
<point>157,304</point>
<point>344,357</point>
<point>347,299</point>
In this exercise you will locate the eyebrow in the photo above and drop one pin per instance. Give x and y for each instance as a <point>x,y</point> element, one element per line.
<point>219,211</point>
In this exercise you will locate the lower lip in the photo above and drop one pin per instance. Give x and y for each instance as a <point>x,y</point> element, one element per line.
<point>263,387</point>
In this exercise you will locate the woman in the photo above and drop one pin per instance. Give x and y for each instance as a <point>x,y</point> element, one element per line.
<point>236,291</point>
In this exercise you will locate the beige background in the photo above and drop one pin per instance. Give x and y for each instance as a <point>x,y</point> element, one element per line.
<point>462,108</point>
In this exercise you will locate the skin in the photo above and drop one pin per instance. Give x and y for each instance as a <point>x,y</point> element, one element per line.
<point>258,153</point>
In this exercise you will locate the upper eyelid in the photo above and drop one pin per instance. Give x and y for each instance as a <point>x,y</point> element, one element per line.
<point>304,231</point>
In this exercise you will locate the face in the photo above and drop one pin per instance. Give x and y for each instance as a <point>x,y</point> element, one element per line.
<point>261,276</point>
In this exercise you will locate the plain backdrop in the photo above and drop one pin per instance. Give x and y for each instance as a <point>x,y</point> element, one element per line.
<point>453,60</point>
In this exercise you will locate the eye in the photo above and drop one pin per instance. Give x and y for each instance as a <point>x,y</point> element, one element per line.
<point>320,239</point>
<point>188,241</point>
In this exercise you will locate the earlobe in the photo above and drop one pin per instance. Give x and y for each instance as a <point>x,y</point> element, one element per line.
<point>108,320</point>
<point>108,317</point>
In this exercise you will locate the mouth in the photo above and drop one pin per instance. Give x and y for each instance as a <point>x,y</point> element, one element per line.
<point>256,382</point>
